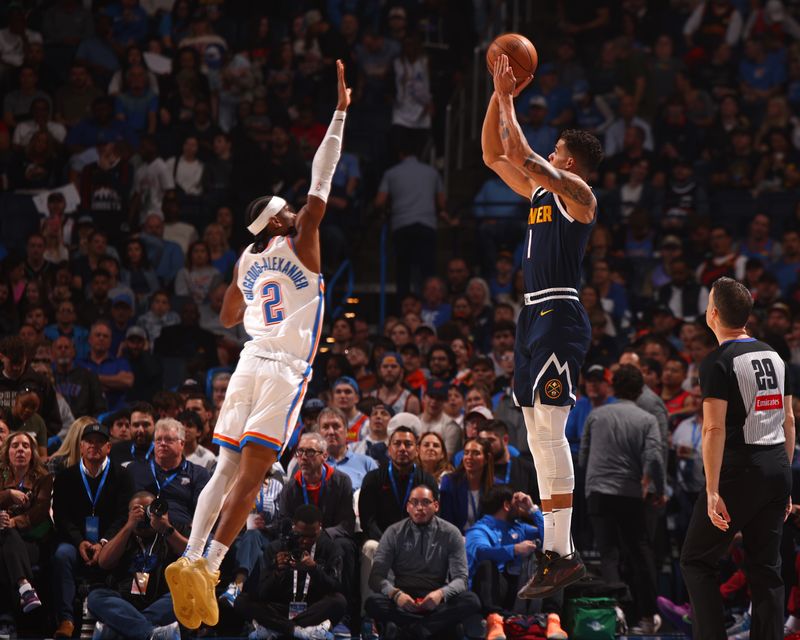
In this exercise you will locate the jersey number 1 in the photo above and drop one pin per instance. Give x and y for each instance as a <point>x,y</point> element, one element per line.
<point>765,374</point>
<point>272,298</point>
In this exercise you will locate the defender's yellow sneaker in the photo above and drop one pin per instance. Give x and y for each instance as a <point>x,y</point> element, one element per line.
<point>201,581</point>
<point>182,600</point>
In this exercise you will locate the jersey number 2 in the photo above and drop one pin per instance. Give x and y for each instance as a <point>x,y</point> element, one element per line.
<point>765,374</point>
<point>272,298</point>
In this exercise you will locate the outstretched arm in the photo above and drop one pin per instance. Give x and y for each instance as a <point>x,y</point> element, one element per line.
<point>322,169</point>
<point>233,306</point>
<point>580,199</point>
<point>494,155</point>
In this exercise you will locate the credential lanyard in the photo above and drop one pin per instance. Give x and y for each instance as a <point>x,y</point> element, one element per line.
<point>307,580</point>
<point>167,481</point>
<point>146,455</point>
<point>321,486</point>
<point>473,505</point>
<point>408,486</point>
<point>94,498</point>
<point>508,474</point>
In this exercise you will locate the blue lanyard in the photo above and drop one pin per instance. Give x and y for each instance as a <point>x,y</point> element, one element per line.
<point>508,474</point>
<point>94,498</point>
<point>695,435</point>
<point>260,500</point>
<point>21,484</point>
<point>472,504</point>
<point>167,481</point>
<point>146,455</point>
<point>408,486</point>
<point>321,486</point>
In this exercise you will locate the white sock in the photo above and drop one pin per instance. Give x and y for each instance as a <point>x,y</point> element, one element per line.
<point>793,623</point>
<point>547,533</point>
<point>194,549</point>
<point>561,540</point>
<point>25,587</point>
<point>301,633</point>
<point>216,552</point>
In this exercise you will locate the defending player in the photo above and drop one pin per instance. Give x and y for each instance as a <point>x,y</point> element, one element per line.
<point>277,291</point>
<point>553,333</point>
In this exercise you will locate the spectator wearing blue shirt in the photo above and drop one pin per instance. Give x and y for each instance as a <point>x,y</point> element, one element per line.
<point>613,296</point>
<point>164,255</point>
<point>541,136</point>
<point>137,105</point>
<point>99,128</point>
<point>435,311</point>
<point>499,544</point>
<point>500,213</point>
<point>558,98</point>
<point>115,374</point>
<point>787,267</point>
<point>333,427</point>
<point>598,394</point>
<point>65,326</point>
<point>128,22</point>
<point>760,73</point>
<point>98,53</point>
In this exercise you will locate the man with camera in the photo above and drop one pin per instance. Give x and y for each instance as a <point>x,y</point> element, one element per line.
<point>168,475</point>
<point>89,506</point>
<point>134,601</point>
<point>300,592</point>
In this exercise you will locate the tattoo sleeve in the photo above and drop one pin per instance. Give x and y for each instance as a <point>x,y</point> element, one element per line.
<point>560,182</point>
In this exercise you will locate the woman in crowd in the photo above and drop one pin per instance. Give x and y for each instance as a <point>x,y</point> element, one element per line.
<point>222,256</point>
<point>5,430</point>
<point>159,316</point>
<point>24,515</point>
<point>433,456</point>
<point>199,276</point>
<point>69,453</point>
<point>25,417</point>
<point>463,351</point>
<point>137,273</point>
<point>461,490</point>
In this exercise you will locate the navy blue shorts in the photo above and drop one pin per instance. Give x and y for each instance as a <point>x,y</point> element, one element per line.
<point>552,340</point>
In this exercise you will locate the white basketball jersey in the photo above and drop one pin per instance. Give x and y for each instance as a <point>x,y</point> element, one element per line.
<point>285,301</point>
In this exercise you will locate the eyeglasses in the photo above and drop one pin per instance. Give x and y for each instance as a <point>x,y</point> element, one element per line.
<point>423,502</point>
<point>166,440</point>
<point>307,453</point>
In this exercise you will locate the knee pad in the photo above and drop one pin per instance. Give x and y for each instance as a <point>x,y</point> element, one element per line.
<point>546,425</point>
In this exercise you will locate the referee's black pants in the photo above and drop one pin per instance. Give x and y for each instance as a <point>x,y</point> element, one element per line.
<point>756,498</point>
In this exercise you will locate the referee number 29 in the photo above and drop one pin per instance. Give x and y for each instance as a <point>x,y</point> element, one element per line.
<point>765,374</point>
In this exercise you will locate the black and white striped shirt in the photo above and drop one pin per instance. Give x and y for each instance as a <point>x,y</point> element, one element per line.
<point>752,378</point>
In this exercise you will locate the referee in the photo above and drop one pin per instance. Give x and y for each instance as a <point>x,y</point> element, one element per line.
<point>748,440</point>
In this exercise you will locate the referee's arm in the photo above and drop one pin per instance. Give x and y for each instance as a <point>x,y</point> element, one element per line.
<point>714,411</point>
<point>788,427</point>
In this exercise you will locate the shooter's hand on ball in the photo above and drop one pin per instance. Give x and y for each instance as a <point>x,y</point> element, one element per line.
<point>504,81</point>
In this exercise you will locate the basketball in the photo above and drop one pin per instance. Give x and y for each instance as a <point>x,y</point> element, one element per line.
<point>521,54</point>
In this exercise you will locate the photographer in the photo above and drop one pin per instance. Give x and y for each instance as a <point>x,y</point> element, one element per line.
<point>168,475</point>
<point>24,516</point>
<point>300,593</point>
<point>90,504</point>
<point>135,602</point>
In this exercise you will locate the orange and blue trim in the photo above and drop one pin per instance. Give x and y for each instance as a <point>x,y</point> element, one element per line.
<point>259,438</point>
<point>228,443</point>
<point>315,332</point>
<point>294,408</point>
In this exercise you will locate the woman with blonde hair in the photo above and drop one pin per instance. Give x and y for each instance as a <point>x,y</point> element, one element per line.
<point>24,513</point>
<point>433,455</point>
<point>69,453</point>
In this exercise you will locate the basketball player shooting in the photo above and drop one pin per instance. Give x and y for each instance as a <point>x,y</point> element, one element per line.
<point>277,292</point>
<point>553,333</point>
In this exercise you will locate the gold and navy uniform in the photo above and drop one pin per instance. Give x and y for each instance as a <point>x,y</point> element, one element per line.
<point>553,333</point>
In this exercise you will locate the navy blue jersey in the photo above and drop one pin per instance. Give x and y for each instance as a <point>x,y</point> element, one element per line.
<point>554,245</point>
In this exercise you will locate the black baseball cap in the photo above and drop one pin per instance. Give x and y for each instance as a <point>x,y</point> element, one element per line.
<point>95,427</point>
<point>438,389</point>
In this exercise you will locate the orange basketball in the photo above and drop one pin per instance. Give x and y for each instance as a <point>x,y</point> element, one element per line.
<point>521,54</point>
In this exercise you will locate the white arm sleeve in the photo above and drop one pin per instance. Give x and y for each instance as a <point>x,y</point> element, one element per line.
<point>327,157</point>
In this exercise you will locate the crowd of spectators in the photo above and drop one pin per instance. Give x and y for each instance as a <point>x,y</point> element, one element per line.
<point>133,134</point>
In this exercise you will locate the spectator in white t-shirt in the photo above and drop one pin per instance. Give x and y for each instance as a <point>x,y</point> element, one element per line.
<point>152,179</point>
<point>187,169</point>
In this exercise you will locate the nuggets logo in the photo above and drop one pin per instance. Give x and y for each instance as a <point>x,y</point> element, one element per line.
<point>552,388</point>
